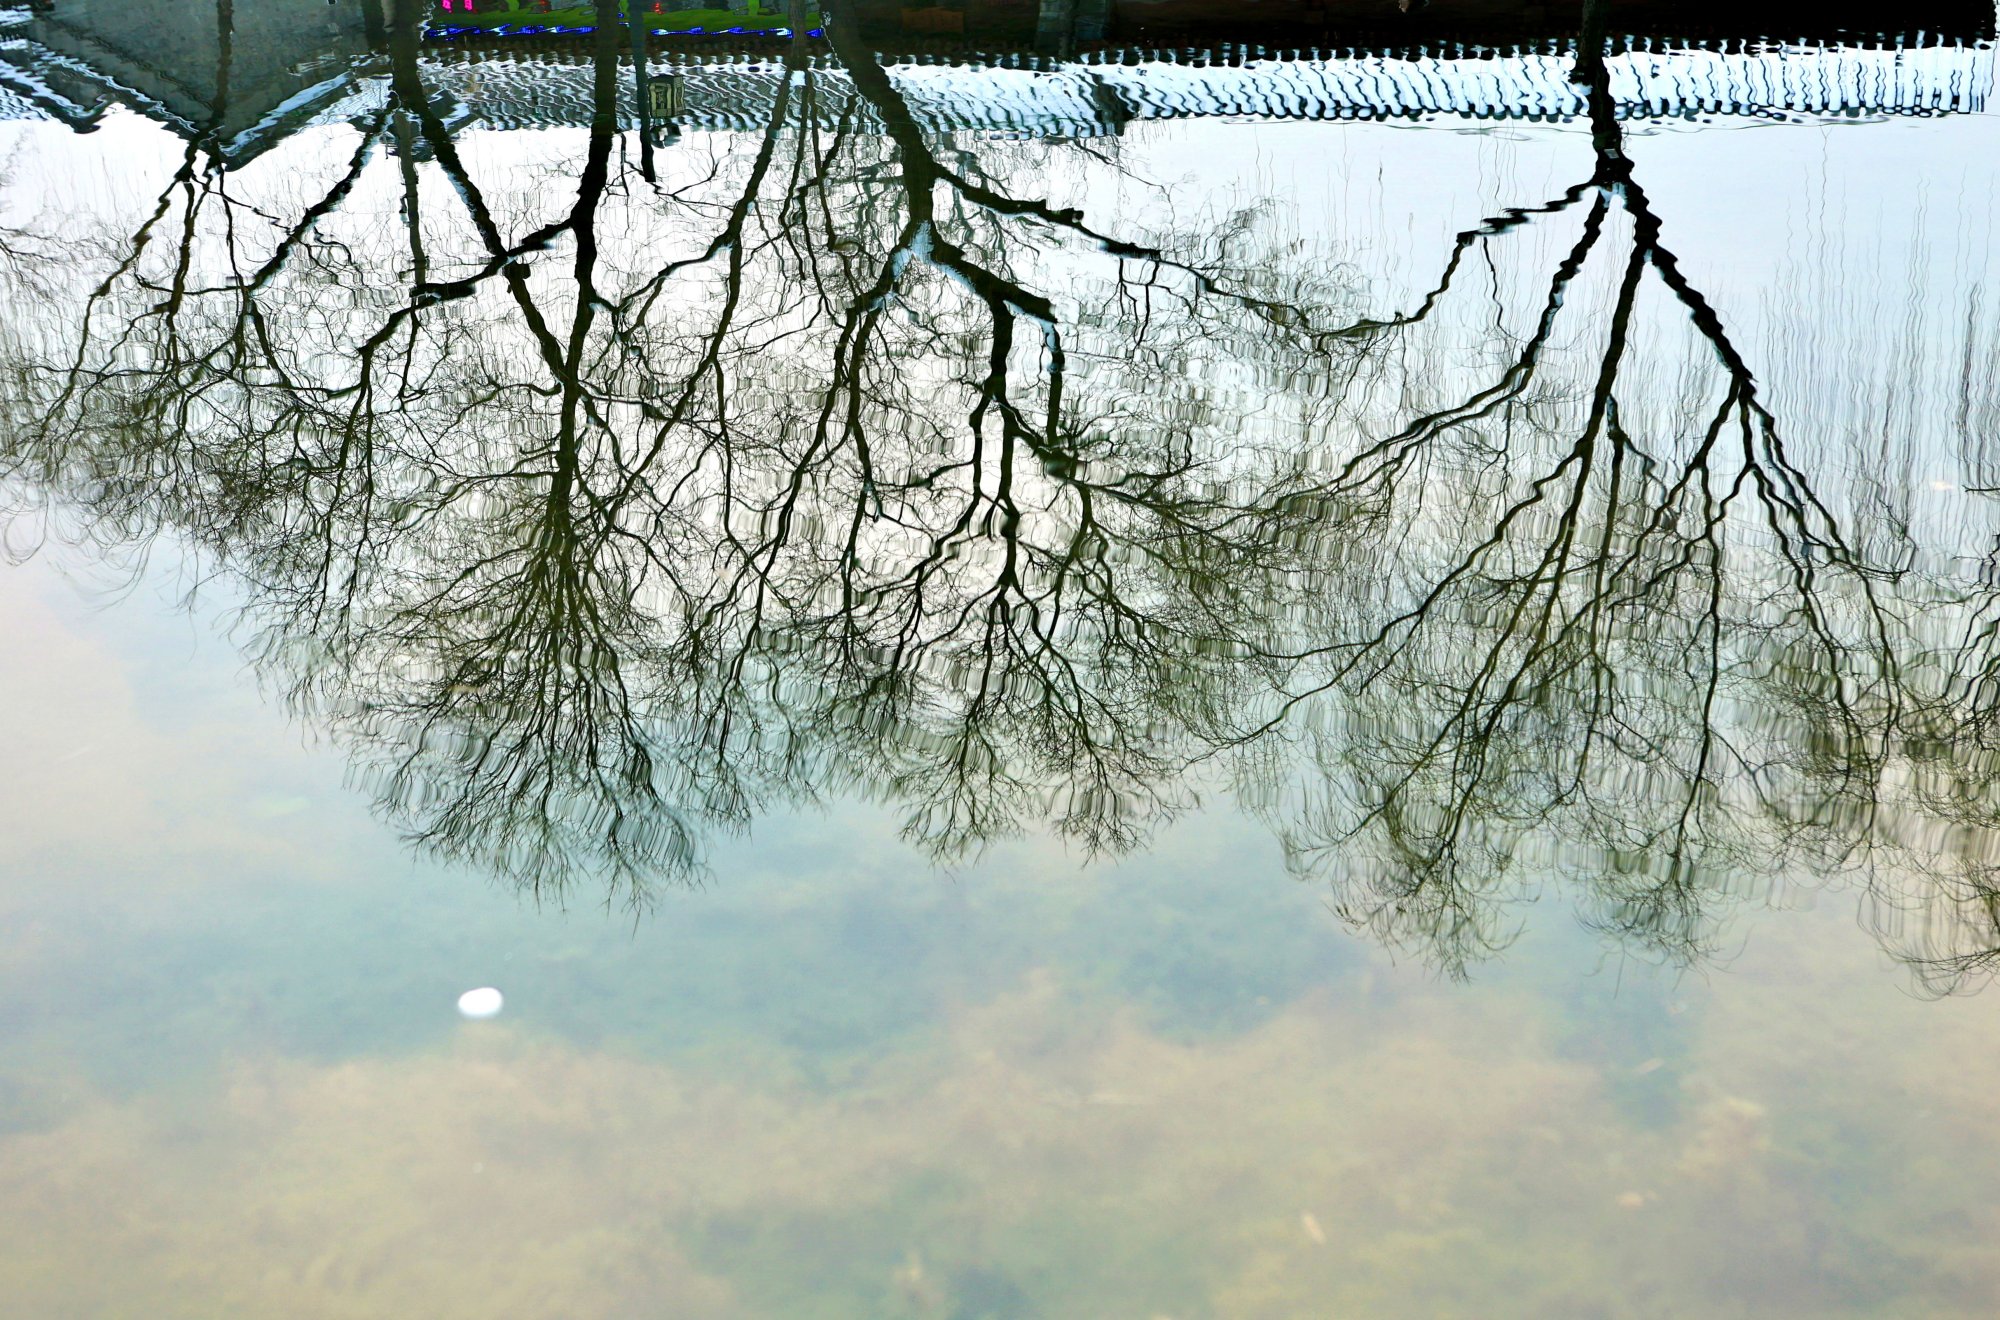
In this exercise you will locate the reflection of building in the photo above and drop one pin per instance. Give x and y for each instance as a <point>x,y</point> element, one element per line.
<point>525,11</point>
<point>1096,97</point>
<point>236,73</point>
<point>1378,23</point>
<point>242,77</point>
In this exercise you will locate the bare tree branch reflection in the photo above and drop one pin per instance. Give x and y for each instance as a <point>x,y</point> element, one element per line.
<point>1600,598</point>
<point>596,507</point>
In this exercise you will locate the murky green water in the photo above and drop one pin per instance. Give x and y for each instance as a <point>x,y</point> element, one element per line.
<point>1236,717</point>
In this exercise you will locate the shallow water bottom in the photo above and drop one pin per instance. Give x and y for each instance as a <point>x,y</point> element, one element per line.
<point>834,1083</point>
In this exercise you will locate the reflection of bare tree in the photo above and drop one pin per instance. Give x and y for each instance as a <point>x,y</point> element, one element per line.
<point>1602,595</point>
<point>585,562</point>
<point>847,459</point>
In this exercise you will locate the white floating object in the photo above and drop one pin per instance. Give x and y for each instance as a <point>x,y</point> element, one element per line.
<point>1943,486</point>
<point>485,1002</point>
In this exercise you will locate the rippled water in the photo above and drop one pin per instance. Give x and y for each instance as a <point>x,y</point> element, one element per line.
<point>1095,688</point>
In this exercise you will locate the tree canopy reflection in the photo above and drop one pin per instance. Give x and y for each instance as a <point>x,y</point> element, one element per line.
<point>599,504</point>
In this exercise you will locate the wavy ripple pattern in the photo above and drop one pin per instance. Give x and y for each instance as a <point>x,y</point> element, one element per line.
<point>1090,99</point>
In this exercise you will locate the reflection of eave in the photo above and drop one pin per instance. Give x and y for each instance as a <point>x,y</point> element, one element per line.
<point>298,110</point>
<point>76,87</point>
<point>1092,97</point>
<point>552,86</point>
<point>50,98</point>
<point>232,78</point>
<point>80,52</point>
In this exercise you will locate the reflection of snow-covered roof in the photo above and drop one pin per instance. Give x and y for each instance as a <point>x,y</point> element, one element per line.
<point>1094,97</point>
<point>1083,99</point>
<point>1781,82</point>
<point>19,97</point>
<point>279,64</point>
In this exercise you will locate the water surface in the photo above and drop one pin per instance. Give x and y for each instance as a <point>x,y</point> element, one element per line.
<point>1242,713</point>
